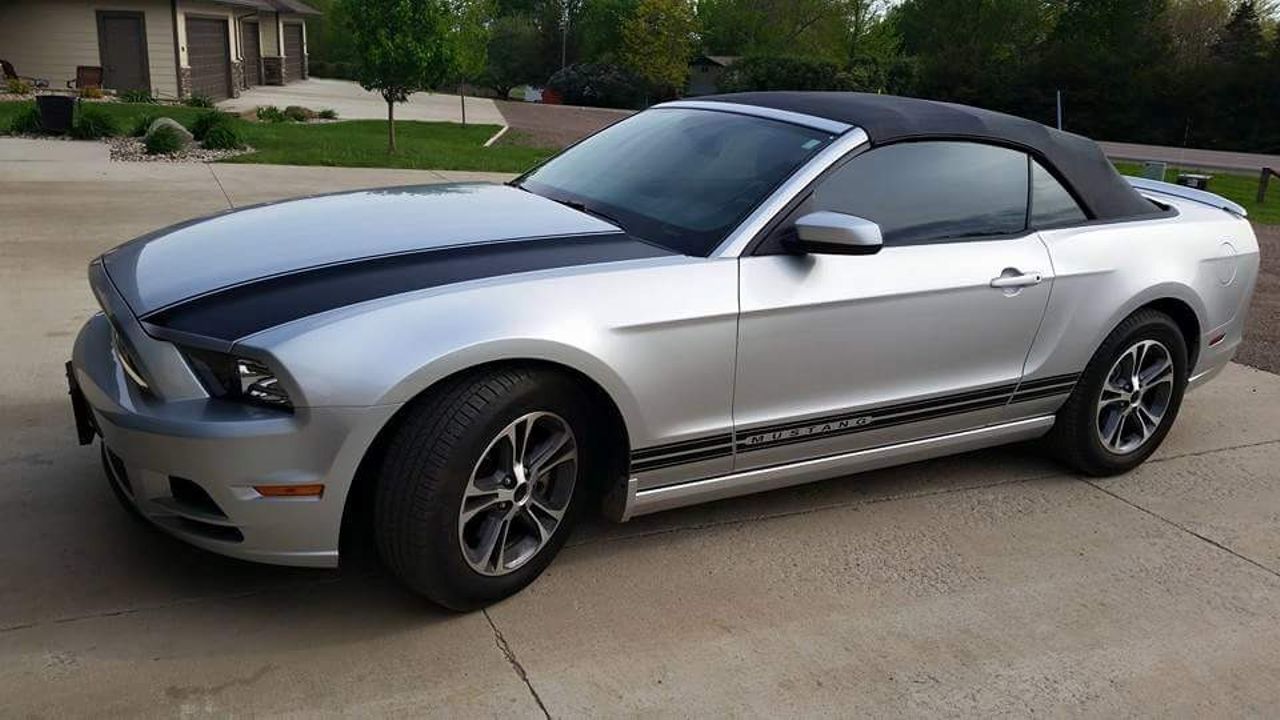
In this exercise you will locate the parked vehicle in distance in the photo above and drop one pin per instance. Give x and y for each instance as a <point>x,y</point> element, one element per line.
<point>707,299</point>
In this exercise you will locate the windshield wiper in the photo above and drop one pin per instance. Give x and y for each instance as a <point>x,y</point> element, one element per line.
<point>582,207</point>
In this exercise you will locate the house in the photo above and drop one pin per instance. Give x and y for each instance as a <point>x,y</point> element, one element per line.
<point>705,72</point>
<point>173,48</point>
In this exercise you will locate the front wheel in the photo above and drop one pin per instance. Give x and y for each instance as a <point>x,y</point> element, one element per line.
<point>1127,397</point>
<point>482,483</point>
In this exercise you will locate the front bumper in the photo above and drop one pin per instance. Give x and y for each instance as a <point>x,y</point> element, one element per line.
<point>155,447</point>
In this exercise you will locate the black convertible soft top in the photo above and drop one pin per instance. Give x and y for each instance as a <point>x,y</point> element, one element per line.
<point>1076,160</point>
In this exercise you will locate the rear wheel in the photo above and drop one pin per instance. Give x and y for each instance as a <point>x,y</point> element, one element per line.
<point>1127,398</point>
<point>482,484</point>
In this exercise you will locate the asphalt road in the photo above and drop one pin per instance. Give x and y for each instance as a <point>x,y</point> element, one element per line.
<point>988,584</point>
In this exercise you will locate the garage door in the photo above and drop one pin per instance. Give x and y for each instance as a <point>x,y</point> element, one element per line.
<point>293,51</point>
<point>209,55</point>
<point>251,51</point>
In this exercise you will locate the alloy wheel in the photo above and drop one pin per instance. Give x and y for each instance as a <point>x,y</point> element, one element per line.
<point>1135,397</point>
<point>518,493</point>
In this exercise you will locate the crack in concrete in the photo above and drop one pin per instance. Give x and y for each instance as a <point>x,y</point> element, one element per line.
<point>510,654</point>
<point>218,181</point>
<point>1181,527</point>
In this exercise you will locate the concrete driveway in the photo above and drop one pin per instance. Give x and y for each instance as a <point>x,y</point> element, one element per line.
<point>989,584</point>
<point>355,103</point>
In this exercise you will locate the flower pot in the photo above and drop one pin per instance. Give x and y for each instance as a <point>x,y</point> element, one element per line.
<point>56,112</point>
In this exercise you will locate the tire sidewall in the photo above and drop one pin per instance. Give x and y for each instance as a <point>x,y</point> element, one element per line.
<point>1148,326</point>
<point>459,584</point>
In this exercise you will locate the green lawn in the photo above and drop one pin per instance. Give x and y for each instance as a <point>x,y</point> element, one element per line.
<point>355,143</point>
<point>1242,189</point>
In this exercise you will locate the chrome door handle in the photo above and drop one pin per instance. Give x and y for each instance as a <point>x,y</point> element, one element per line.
<point>1004,282</point>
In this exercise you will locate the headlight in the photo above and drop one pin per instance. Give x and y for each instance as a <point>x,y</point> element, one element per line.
<point>238,378</point>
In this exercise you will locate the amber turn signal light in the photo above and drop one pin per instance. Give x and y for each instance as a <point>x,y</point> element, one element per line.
<point>290,490</point>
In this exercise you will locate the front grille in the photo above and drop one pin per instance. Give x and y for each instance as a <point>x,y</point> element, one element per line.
<point>192,497</point>
<point>119,473</point>
<point>213,532</point>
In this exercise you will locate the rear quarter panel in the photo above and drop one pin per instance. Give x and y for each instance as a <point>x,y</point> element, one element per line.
<point>1202,256</point>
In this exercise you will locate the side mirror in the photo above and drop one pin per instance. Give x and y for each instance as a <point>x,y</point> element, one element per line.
<point>833,233</point>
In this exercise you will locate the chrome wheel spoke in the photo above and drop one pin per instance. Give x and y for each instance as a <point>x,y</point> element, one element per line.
<point>518,493</point>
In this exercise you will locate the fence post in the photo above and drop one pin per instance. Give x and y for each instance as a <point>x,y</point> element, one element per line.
<point>1263,181</point>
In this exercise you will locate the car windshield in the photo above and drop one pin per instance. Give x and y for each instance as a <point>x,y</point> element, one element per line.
<point>677,177</point>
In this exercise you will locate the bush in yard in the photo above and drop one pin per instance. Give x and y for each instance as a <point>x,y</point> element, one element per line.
<point>142,125</point>
<point>768,72</point>
<point>207,121</point>
<point>198,101</point>
<point>92,92</point>
<point>222,137</point>
<point>270,113</point>
<point>137,96</point>
<point>92,123</point>
<point>327,114</point>
<point>26,122</point>
<point>17,86</point>
<point>297,113</point>
<point>163,140</point>
<point>598,85</point>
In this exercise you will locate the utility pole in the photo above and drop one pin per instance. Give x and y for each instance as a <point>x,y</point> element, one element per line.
<point>1059,109</point>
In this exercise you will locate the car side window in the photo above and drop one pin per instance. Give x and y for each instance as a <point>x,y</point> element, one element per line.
<point>1051,204</point>
<point>925,192</point>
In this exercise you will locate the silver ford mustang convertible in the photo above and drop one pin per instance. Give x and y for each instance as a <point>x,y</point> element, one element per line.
<point>707,299</point>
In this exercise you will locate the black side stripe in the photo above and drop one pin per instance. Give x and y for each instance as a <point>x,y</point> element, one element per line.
<point>876,418</point>
<point>241,310</point>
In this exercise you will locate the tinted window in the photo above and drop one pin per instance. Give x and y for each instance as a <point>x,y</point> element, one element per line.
<point>679,178</point>
<point>1051,204</point>
<point>932,191</point>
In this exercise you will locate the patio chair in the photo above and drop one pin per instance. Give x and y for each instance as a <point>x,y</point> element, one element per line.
<point>86,76</point>
<point>12,74</point>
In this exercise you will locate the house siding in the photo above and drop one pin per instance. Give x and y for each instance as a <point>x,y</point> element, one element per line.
<point>48,39</point>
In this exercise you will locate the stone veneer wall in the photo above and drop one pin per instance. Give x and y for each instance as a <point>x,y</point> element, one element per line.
<point>184,82</point>
<point>237,78</point>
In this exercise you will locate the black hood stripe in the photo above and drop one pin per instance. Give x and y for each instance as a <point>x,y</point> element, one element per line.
<point>236,312</point>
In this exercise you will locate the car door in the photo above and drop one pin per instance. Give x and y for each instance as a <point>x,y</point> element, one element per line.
<point>926,337</point>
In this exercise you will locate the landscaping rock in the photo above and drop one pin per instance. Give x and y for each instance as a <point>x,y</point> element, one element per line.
<point>184,134</point>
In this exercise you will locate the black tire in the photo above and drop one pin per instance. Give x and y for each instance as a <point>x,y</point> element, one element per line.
<point>1075,439</point>
<point>428,465</point>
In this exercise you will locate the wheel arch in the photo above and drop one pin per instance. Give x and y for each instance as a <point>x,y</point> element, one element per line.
<point>617,436</point>
<point>1175,300</point>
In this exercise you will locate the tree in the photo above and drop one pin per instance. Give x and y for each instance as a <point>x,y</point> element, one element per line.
<point>657,43</point>
<point>1239,59</point>
<point>514,54</point>
<point>812,29</point>
<point>402,47</point>
<point>471,29</point>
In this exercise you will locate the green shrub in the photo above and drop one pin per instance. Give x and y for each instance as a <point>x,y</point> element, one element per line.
<point>27,121</point>
<point>335,70</point>
<point>769,72</point>
<point>222,137</point>
<point>327,114</point>
<point>17,86</point>
<point>142,124</point>
<point>164,141</point>
<point>598,85</point>
<point>137,96</point>
<point>297,113</point>
<point>92,123</point>
<point>270,113</point>
<point>198,101</point>
<point>207,121</point>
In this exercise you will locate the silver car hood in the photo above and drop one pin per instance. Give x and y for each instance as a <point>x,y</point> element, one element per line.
<point>202,256</point>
